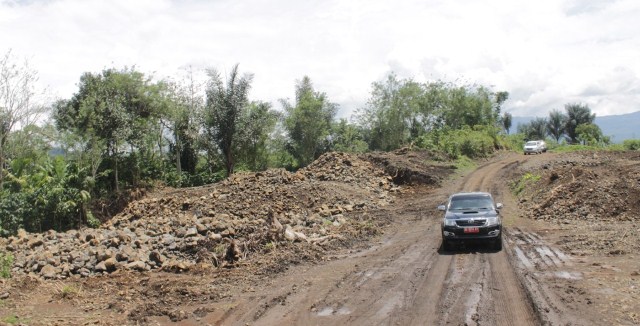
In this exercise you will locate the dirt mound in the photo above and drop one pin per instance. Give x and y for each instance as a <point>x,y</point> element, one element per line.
<point>411,167</point>
<point>595,195</point>
<point>586,187</point>
<point>220,225</point>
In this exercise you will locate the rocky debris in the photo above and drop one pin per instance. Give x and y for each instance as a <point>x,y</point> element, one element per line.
<point>584,189</point>
<point>595,194</point>
<point>215,225</point>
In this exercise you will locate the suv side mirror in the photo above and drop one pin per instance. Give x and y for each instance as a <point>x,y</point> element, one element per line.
<point>442,208</point>
<point>499,206</point>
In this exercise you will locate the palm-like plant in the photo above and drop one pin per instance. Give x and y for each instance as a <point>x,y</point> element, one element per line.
<point>577,114</point>
<point>556,124</point>
<point>223,109</point>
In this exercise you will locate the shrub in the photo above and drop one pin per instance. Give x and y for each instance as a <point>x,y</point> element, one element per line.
<point>631,144</point>
<point>6,262</point>
<point>476,142</point>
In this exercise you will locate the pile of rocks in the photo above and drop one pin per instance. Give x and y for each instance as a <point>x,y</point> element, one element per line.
<point>215,225</point>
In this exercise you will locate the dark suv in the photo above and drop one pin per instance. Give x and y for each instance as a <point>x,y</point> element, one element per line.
<point>471,216</point>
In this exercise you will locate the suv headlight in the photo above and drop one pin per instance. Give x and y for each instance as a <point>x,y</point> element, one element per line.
<point>449,222</point>
<point>491,221</point>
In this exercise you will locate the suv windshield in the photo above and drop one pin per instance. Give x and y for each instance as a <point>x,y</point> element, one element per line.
<point>532,143</point>
<point>470,203</point>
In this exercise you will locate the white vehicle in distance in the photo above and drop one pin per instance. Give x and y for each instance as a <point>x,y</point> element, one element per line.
<point>535,147</point>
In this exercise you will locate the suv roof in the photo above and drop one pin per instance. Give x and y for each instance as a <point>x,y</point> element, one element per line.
<point>471,194</point>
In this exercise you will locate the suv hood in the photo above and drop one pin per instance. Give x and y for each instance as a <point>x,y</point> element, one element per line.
<point>471,214</point>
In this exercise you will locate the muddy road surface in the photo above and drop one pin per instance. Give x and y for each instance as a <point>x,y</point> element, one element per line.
<point>406,278</point>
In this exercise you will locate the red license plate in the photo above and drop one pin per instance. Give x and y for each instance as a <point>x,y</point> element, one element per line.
<point>471,230</point>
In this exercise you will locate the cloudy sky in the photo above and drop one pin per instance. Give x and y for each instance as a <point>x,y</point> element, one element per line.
<point>545,53</point>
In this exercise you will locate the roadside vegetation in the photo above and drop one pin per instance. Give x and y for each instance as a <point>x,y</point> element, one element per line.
<point>75,162</point>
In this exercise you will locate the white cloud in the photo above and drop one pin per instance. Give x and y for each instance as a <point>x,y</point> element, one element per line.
<point>545,53</point>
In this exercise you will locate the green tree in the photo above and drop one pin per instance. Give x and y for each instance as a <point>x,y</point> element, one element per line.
<point>224,107</point>
<point>577,114</point>
<point>308,122</point>
<point>394,113</point>
<point>556,124</point>
<point>590,134</point>
<point>506,121</point>
<point>181,112</point>
<point>468,106</point>
<point>346,137</point>
<point>19,102</point>
<point>118,110</point>
<point>535,129</point>
<point>255,125</point>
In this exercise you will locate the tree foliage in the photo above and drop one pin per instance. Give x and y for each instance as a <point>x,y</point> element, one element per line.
<point>308,122</point>
<point>535,129</point>
<point>224,107</point>
<point>506,121</point>
<point>556,124</point>
<point>18,101</point>
<point>400,112</point>
<point>590,134</point>
<point>255,126</point>
<point>346,137</point>
<point>117,111</point>
<point>576,114</point>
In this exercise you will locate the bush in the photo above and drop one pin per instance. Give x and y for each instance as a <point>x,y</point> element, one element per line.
<point>6,262</point>
<point>631,144</point>
<point>476,142</point>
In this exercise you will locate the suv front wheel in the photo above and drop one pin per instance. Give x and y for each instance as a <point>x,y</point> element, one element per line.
<point>497,243</point>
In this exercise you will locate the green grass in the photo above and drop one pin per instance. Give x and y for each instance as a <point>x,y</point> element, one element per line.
<point>69,291</point>
<point>270,246</point>
<point>11,319</point>
<point>526,179</point>
<point>464,163</point>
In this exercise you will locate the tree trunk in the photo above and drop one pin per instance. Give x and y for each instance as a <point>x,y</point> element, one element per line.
<point>1,167</point>
<point>115,169</point>
<point>178,153</point>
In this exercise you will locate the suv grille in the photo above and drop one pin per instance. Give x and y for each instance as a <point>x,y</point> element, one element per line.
<point>478,222</point>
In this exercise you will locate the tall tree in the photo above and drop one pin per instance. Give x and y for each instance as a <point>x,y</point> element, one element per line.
<point>308,121</point>
<point>577,114</point>
<point>393,114</point>
<point>506,121</point>
<point>112,109</point>
<point>590,134</point>
<point>346,137</point>
<point>18,101</point>
<point>556,124</point>
<point>256,124</point>
<point>181,113</point>
<point>223,108</point>
<point>535,129</point>
<point>468,106</point>
<point>500,98</point>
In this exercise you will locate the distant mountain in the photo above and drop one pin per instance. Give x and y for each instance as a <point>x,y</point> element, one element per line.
<point>619,127</point>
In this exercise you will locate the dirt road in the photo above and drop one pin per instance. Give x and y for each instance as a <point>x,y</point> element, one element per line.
<point>554,269</point>
<point>407,279</point>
